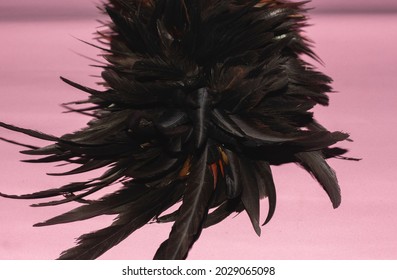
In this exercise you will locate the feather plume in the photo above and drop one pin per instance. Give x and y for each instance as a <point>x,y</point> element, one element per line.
<point>200,98</point>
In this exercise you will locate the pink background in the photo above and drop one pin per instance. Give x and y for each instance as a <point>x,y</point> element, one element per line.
<point>359,52</point>
<point>23,9</point>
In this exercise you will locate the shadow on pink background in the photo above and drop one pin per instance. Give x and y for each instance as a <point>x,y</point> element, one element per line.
<point>359,52</point>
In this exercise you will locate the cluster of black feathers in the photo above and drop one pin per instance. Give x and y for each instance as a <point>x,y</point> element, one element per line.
<point>201,97</point>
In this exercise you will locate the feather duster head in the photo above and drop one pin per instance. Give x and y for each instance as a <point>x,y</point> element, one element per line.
<point>200,99</point>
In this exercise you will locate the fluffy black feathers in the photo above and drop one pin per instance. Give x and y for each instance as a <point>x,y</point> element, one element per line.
<point>200,98</point>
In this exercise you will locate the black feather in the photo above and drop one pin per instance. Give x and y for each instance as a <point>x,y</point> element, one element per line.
<point>316,165</point>
<point>250,192</point>
<point>223,211</point>
<point>266,186</point>
<point>192,212</point>
<point>135,214</point>
<point>30,132</point>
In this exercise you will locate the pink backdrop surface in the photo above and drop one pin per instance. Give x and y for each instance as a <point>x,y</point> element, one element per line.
<point>359,52</point>
<point>32,9</point>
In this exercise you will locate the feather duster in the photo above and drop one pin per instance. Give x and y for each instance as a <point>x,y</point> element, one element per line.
<point>200,98</point>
